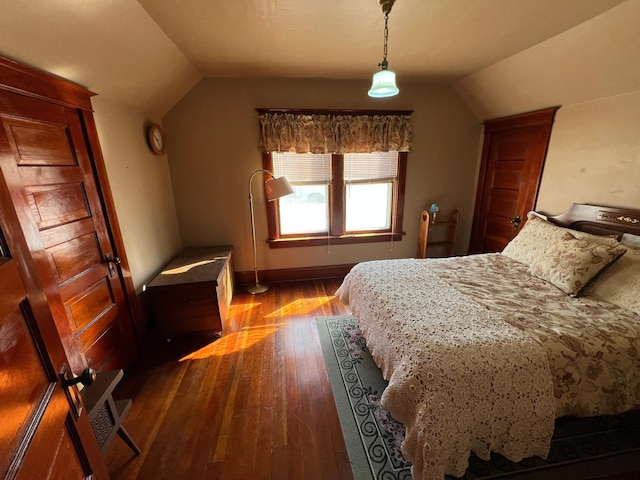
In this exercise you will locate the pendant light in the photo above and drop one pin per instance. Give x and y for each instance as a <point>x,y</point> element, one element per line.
<point>384,81</point>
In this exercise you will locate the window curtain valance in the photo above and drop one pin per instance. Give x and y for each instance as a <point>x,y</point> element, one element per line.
<point>334,131</point>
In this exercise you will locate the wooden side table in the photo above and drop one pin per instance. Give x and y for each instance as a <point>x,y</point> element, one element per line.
<point>193,292</point>
<point>105,413</point>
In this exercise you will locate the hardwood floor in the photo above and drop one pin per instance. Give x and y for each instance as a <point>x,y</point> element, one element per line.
<point>253,404</point>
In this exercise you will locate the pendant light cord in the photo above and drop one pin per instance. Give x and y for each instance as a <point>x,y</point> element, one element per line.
<point>384,63</point>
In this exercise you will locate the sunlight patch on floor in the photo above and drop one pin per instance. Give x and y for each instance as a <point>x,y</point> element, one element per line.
<point>234,342</point>
<point>301,306</point>
<point>240,308</point>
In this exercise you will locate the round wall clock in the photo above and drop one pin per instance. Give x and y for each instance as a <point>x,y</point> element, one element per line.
<point>156,139</point>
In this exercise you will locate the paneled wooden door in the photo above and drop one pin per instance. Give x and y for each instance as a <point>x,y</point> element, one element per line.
<point>46,160</point>
<point>44,433</point>
<point>513,157</point>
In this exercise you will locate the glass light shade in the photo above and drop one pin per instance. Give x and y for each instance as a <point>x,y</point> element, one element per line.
<point>277,188</point>
<point>384,84</point>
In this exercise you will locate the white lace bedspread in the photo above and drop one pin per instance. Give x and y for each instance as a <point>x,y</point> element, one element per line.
<point>593,347</point>
<point>460,378</point>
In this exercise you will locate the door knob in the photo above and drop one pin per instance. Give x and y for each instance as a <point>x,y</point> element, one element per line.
<point>515,222</point>
<point>111,260</point>
<point>86,378</point>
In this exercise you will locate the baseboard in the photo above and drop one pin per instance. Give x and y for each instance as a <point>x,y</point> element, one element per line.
<point>294,274</point>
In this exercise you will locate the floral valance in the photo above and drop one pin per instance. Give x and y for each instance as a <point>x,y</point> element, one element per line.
<point>334,131</point>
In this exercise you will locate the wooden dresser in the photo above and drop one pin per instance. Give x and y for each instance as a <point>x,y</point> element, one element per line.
<point>193,292</point>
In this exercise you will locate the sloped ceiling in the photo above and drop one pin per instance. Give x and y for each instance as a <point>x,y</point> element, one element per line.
<point>111,47</point>
<point>428,39</point>
<point>597,59</point>
<point>149,53</point>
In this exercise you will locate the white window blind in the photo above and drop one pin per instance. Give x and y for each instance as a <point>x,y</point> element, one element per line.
<point>366,167</point>
<point>301,169</point>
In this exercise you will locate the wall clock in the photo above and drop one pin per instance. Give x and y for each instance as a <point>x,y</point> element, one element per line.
<point>157,139</point>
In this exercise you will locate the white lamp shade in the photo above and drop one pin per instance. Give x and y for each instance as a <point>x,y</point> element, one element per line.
<point>384,84</point>
<point>277,188</point>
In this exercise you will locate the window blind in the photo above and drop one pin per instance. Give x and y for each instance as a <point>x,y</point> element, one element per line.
<point>307,168</point>
<point>362,167</point>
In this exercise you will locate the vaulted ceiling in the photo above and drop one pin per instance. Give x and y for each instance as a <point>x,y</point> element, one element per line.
<point>428,39</point>
<point>148,53</point>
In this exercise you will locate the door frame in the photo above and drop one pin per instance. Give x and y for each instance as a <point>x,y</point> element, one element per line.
<point>34,83</point>
<point>539,118</point>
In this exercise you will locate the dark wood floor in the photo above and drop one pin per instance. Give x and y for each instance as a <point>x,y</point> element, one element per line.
<point>254,404</point>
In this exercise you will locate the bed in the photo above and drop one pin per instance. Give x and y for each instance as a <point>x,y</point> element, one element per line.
<point>483,352</point>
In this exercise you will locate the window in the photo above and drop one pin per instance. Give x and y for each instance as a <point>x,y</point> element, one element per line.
<point>355,197</point>
<point>305,212</point>
<point>369,179</point>
<point>341,196</point>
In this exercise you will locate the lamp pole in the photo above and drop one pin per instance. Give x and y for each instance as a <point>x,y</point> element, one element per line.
<point>257,288</point>
<point>275,188</point>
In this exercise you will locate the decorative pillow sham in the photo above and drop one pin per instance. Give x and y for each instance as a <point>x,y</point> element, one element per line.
<point>572,262</point>
<point>538,235</point>
<point>620,283</point>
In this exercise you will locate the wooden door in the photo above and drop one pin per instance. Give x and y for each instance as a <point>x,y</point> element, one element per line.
<point>44,432</point>
<point>513,157</point>
<point>46,159</point>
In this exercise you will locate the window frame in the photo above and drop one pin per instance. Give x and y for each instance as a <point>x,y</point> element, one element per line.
<point>337,234</point>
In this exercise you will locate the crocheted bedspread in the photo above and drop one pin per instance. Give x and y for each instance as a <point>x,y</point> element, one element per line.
<point>467,371</point>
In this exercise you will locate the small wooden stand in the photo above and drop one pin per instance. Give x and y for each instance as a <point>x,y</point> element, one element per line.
<point>105,413</point>
<point>426,225</point>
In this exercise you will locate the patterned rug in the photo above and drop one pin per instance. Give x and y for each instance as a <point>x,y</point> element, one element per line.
<point>581,448</point>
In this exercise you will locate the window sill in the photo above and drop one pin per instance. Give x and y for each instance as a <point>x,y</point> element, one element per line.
<point>333,240</point>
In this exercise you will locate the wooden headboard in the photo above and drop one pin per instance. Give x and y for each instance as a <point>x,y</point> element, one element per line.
<point>599,220</point>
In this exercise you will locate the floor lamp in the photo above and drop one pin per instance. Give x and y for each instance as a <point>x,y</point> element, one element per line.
<point>275,188</point>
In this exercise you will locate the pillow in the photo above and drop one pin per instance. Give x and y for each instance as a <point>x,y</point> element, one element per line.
<point>539,235</point>
<point>572,262</point>
<point>620,283</point>
<point>631,240</point>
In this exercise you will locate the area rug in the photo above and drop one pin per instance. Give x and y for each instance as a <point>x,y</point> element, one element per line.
<point>581,448</point>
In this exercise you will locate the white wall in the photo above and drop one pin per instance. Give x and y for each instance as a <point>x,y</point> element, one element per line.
<point>594,155</point>
<point>212,146</point>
